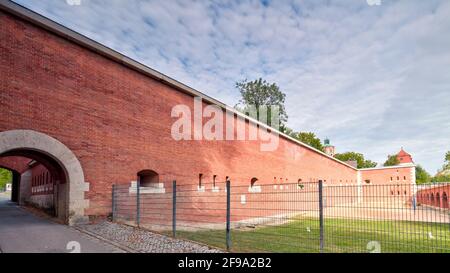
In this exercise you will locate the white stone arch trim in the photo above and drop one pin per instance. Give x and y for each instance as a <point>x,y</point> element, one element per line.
<point>77,186</point>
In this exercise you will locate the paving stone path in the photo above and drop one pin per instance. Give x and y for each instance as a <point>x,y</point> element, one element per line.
<point>138,240</point>
<point>21,231</point>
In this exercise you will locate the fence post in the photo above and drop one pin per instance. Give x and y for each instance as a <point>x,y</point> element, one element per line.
<point>113,203</point>
<point>321,216</point>
<point>138,202</point>
<point>228,215</point>
<point>174,209</point>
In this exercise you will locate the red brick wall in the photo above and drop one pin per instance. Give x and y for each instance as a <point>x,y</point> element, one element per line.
<point>387,176</point>
<point>436,196</point>
<point>15,163</point>
<point>388,183</point>
<point>42,187</point>
<point>118,121</point>
<point>41,181</point>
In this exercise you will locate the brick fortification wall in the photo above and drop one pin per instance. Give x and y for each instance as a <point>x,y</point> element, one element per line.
<point>118,121</point>
<point>36,187</point>
<point>434,196</point>
<point>42,187</point>
<point>388,185</point>
<point>14,163</point>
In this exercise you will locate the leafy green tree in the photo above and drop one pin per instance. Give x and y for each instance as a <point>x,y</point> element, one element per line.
<point>258,93</point>
<point>284,129</point>
<point>392,161</point>
<point>358,157</point>
<point>310,139</point>
<point>440,178</point>
<point>5,178</point>
<point>447,161</point>
<point>422,176</point>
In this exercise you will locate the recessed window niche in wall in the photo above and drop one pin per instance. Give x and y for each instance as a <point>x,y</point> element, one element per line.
<point>148,178</point>
<point>254,188</point>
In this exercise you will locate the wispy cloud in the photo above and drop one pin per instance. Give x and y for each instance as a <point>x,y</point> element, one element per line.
<point>371,78</point>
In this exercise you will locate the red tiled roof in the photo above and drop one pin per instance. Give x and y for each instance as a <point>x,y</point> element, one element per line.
<point>403,153</point>
<point>404,157</point>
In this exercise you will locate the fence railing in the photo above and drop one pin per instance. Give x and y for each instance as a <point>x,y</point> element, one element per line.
<point>295,217</point>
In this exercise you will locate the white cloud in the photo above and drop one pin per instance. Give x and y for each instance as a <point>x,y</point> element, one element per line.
<point>372,78</point>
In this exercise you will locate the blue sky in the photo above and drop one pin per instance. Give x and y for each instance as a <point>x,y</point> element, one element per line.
<point>372,78</point>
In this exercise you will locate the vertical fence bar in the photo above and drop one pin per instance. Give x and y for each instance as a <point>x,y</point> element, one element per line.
<point>174,209</point>
<point>228,215</point>
<point>113,205</point>
<point>321,215</point>
<point>138,202</point>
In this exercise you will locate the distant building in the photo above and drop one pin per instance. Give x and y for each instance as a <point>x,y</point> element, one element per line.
<point>8,187</point>
<point>329,149</point>
<point>404,157</point>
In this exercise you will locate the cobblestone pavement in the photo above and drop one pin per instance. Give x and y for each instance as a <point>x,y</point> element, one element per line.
<point>138,240</point>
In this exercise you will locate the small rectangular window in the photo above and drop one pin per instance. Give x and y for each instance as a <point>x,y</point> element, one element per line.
<point>200,177</point>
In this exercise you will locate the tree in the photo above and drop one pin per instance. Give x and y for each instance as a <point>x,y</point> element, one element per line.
<point>288,131</point>
<point>445,171</point>
<point>259,93</point>
<point>310,139</point>
<point>392,161</point>
<point>422,176</point>
<point>5,178</point>
<point>359,158</point>
<point>440,178</point>
<point>447,161</point>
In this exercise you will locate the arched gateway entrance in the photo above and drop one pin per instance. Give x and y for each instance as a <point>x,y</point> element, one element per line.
<point>62,165</point>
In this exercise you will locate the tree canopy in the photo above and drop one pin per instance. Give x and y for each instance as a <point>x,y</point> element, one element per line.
<point>440,178</point>
<point>444,174</point>
<point>258,93</point>
<point>422,176</point>
<point>447,161</point>
<point>5,177</point>
<point>310,139</point>
<point>358,157</point>
<point>392,161</point>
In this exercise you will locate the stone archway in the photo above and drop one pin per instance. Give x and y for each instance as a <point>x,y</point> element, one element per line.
<point>445,203</point>
<point>73,197</point>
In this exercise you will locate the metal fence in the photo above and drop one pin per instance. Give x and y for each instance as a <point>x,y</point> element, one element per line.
<point>296,217</point>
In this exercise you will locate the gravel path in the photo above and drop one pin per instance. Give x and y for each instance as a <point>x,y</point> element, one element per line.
<point>138,240</point>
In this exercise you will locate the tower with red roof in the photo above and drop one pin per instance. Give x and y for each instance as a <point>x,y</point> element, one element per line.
<point>404,157</point>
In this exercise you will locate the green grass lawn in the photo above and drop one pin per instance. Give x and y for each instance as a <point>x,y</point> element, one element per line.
<point>341,236</point>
